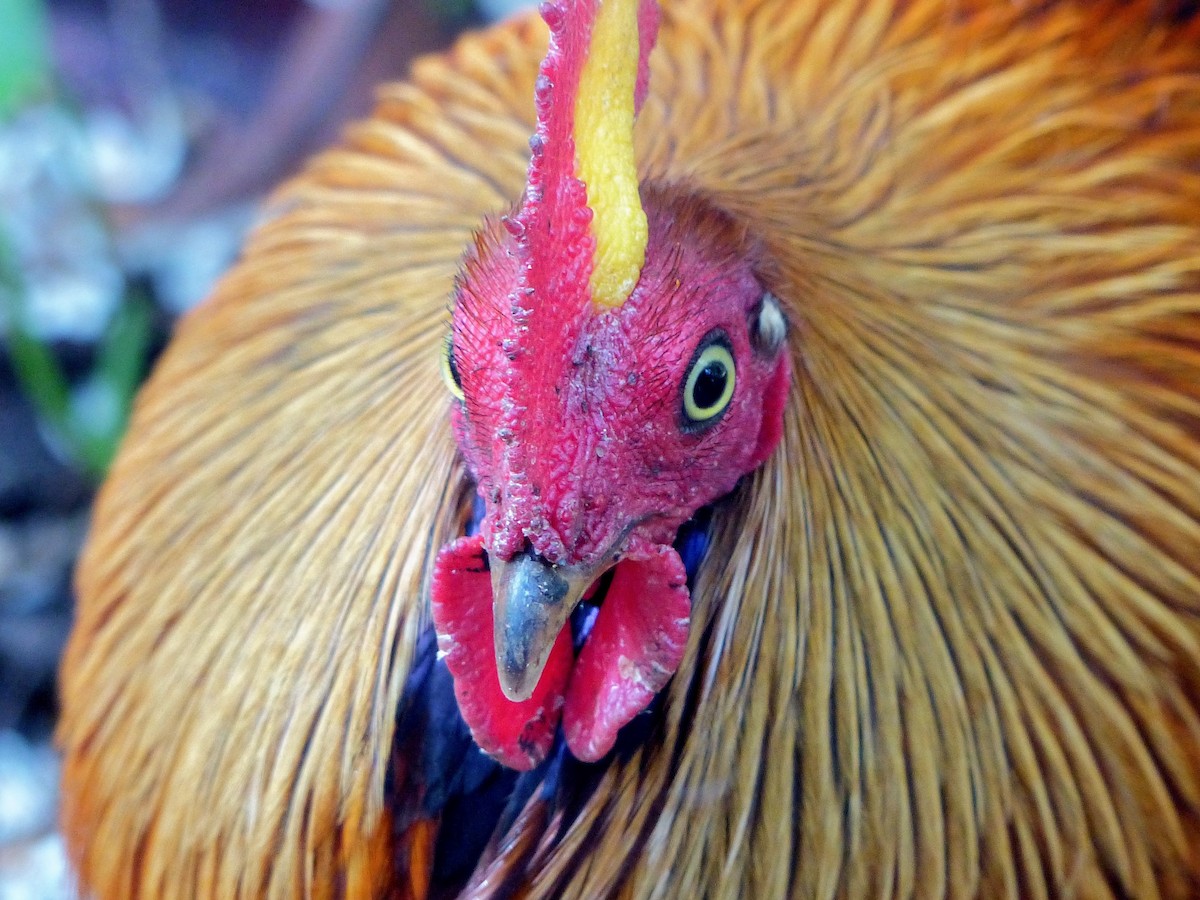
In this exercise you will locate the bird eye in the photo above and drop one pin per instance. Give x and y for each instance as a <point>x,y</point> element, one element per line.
<point>709,385</point>
<point>450,370</point>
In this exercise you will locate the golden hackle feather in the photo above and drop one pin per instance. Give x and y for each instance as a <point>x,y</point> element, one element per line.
<point>946,643</point>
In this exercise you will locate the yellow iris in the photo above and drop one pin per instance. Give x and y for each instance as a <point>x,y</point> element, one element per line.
<point>449,370</point>
<point>709,385</point>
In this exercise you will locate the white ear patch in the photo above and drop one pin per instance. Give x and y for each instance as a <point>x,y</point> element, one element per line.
<point>770,330</point>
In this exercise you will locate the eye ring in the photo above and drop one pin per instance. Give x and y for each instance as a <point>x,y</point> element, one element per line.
<point>708,388</point>
<point>449,370</point>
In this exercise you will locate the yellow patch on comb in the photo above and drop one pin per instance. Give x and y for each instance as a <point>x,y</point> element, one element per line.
<point>604,114</point>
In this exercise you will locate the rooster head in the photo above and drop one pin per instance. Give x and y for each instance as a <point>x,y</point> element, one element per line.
<point>617,364</point>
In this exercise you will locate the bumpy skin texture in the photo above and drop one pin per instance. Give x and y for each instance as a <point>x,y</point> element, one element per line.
<point>574,427</point>
<point>945,643</point>
<point>590,420</point>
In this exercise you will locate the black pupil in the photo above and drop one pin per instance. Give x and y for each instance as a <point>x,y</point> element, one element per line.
<point>453,368</point>
<point>710,385</point>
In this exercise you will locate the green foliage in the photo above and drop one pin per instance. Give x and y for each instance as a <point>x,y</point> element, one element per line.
<point>24,64</point>
<point>89,419</point>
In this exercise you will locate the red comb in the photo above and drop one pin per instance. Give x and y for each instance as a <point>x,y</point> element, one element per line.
<point>554,242</point>
<point>552,227</point>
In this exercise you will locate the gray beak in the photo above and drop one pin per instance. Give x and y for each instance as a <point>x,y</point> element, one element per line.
<point>531,602</point>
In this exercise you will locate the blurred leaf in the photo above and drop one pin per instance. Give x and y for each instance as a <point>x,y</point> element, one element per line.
<point>123,351</point>
<point>37,370</point>
<point>120,365</point>
<point>24,63</point>
<point>90,420</point>
<point>40,375</point>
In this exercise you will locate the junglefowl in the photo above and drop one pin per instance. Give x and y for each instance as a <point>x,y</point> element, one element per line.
<point>814,510</point>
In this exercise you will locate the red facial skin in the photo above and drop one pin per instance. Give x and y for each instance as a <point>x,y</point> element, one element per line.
<point>574,428</point>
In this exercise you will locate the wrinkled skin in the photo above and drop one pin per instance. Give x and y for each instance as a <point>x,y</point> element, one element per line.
<point>585,458</point>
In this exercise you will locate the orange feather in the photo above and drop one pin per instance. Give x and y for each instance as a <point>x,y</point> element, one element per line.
<point>952,647</point>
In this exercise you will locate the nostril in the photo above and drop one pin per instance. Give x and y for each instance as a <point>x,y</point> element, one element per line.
<point>528,551</point>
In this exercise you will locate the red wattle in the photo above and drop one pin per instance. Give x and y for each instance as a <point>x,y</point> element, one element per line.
<point>633,650</point>
<point>517,734</point>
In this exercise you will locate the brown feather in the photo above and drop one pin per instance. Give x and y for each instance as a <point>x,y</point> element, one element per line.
<point>953,648</point>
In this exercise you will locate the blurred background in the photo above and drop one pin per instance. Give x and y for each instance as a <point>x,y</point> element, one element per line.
<point>137,138</point>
